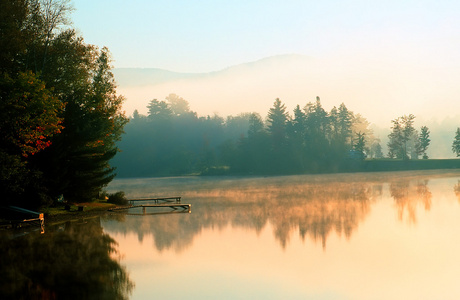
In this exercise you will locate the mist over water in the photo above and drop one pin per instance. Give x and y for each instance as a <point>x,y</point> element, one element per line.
<point>323,236</point>
<point>390,235</point>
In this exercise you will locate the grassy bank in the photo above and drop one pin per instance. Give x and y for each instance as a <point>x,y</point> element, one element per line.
<point>75,211</point>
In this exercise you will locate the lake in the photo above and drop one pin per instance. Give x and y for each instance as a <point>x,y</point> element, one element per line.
<point>342,236</point>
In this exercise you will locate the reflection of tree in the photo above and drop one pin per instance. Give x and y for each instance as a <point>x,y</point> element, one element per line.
<point>79,262</point>
<point>408,194</point>
<point>315,207</point>
<point>457,190</point>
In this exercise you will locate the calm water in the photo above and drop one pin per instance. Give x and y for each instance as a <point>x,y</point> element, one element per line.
<point>345,236</point>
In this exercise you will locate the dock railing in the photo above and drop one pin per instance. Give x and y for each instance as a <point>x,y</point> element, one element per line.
<point>156,200</point>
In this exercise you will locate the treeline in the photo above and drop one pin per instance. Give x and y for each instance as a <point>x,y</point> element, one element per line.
<point>59,112</point>
<point>173,140</point>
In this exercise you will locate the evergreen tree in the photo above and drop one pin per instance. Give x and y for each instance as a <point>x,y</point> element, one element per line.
<point>395,147</point>
<point>408,133</point>
<point>71,112</point>
<point>341,134</point>
<point>159,110</point>
<point>423,142</point>
<point>360,143</point>
<point>361,125</point>
<point>402,132</point>
<point>317,128</point>
<point>376,150</point>
<point>296,135</point>
<point>456,143</point>
<point>77,164</point>
<point>254,152</point>
<point>345,120</point>
<point>277,122</point>
<point>256,126</point>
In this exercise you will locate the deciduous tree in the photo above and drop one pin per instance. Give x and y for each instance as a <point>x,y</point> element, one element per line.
<point>59,107</point>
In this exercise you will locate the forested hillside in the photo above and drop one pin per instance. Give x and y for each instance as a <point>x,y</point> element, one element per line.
<point>173,140</point>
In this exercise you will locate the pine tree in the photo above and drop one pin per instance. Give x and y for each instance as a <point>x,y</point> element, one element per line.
<point>277,122</point>
<point>402,132</point>
<point>73,114</point>
<point>456,143</point>
<point>424,142</point>
<point>360,143</point>
<point>316,137</point>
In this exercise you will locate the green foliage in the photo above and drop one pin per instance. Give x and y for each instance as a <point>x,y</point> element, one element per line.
<point>423,142</point>
<point>117,198</point>
<point>405,142</point>
<point>456,143</point>
<point>178,105</point>
<point>59,111</point>
<point>28,114</point>
<point>159,110</point>
<point>360,142</point>
<point>93,121</point>
<point>165,144</point>
<point>277,121</point>
<point>375,150</point>
<point>402,133</point>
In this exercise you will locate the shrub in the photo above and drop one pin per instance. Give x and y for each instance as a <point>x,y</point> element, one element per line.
<point>118,198</point>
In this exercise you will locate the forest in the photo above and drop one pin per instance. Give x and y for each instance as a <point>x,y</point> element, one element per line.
<point>173,140</point>
<point>60,115</point>
<point>63,133</point>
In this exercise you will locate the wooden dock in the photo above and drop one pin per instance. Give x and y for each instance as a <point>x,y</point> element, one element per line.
<point>171,202</point>
<point>156,200</point>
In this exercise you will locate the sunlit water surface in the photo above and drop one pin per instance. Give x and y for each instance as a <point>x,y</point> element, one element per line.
<point>345,236</point>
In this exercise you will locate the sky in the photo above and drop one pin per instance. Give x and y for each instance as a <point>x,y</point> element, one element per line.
<point>203,36</point>
<point>383,59</point>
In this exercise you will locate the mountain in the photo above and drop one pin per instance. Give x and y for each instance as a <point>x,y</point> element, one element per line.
<point>376,87</point>
<point>140,77</point>
<point>154,76</point>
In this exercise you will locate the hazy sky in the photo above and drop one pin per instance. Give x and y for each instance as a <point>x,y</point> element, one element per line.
<point>202,36</point>
<point>383,59</point>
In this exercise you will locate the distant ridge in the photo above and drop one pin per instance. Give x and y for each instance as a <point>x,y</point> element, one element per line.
<point>155,76</point>
<point>146,76</point>
<point>371,87</point>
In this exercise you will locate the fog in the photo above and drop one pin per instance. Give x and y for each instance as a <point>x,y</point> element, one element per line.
<point>379,89</point>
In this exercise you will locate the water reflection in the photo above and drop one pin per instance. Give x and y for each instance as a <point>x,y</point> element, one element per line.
<point>296,237</point>
<point>457,190</point>
<point>408,193</point>
<point>74,261</point>
<point>315,206</point>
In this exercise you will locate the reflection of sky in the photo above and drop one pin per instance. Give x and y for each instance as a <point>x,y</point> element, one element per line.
<point>384,258</point>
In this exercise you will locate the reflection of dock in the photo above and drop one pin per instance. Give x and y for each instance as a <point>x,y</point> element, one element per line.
<point>166,202</point>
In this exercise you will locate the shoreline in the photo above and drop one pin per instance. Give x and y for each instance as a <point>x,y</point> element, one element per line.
<point>53,219</point>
